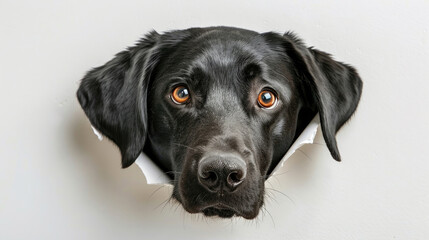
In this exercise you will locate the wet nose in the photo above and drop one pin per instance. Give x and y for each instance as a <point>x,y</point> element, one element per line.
<point>221,171</point>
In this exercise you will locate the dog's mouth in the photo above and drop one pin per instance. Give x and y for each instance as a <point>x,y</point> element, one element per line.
<point>220,210</point>
<point>226,208</point>
<point>225,211</point>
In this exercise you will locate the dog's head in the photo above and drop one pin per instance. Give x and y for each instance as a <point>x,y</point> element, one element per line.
<point>217,108</point>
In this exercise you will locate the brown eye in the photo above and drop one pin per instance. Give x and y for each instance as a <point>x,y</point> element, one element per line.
<point>267,99</point>
<point>180,95</point>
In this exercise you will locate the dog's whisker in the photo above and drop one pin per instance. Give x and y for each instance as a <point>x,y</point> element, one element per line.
<point>185,146</point>
<point>164,203</point>
<point>268,182</point>
<point>261,215</point>
<point>171,205</point>
<point>275,190</point>
<point>174,180</point>
<point>170,202</point>
<point>177,207</point>
<point>282,173</point>
<point>291,168</point>
<point>177,172</point>
<point>153,193</point>
<point>271,216</point>
<point>271,197</point>
<point>276,178</point>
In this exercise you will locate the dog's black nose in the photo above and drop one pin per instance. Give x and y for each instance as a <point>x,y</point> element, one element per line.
<point>221,172</point>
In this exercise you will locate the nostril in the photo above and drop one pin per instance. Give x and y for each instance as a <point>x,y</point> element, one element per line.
<point>209,176</point>
<point>235,178</point>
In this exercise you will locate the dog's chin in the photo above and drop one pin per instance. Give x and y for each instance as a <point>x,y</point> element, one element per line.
<point>222,211</point>
<point>244,202</point>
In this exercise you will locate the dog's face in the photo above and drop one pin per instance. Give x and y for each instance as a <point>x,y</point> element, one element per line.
<point>217,108</point>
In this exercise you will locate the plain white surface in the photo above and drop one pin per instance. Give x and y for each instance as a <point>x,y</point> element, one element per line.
<point>57,181</point>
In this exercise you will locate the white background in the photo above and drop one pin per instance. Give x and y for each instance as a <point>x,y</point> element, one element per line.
<point>57,181</point>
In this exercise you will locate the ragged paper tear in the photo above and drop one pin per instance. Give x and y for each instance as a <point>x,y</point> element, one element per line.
<point>154,175</point>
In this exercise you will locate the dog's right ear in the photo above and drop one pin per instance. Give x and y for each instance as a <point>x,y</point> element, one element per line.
<point>113,96</point>
<point>335,87</point>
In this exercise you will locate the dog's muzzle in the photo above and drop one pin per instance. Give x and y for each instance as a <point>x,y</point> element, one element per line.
<point>221,174</point>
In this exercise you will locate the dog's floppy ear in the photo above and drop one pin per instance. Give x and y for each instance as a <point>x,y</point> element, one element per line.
<point>335,87</point>
<point>113,96</point>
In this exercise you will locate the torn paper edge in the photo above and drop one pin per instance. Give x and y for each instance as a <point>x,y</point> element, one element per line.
<point>306,137</point>
<point>97,133</point>
<point>154,175</point>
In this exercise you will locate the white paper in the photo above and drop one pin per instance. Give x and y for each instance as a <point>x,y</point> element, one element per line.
<point>154,175</point>
<point>306,137</point>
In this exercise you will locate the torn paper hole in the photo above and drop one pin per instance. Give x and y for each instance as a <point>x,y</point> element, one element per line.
<point>154,175</point>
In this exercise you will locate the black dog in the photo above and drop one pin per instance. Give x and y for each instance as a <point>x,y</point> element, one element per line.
<point>217,108</point>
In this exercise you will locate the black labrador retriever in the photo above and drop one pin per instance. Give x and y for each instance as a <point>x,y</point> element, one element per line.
<point>217,108</point>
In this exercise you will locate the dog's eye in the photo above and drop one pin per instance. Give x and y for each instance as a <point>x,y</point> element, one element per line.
<point>267,99</point>
<point>180,95</point>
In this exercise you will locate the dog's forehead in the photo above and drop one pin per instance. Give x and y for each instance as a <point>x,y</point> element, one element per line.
<point>225,53</point>
<point>217,48</point>
<point>224,56</point>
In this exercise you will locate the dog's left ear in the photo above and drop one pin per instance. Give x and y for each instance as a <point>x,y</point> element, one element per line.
<point>113,96</point>
<point>335,87</point>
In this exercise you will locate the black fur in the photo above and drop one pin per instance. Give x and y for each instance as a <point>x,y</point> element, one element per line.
<point>128,100</point>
